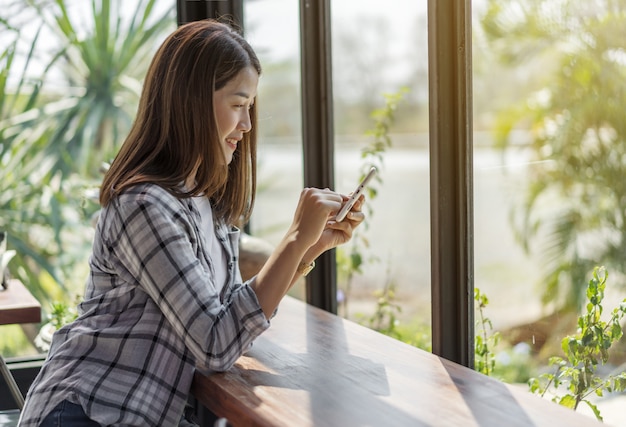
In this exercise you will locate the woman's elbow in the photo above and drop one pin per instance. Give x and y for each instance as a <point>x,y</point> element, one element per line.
<point>216,364</point>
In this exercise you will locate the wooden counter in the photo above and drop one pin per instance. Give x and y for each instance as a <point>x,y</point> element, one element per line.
<point>312,368</point>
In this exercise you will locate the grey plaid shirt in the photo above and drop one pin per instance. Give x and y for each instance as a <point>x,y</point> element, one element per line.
<point>151,315</point>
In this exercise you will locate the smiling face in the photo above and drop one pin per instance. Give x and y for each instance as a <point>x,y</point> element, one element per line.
<point>232,105</point>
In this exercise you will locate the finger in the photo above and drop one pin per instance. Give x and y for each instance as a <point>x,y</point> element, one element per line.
<point>347,226</point>
<point>356,216</point>
<point>359,204</point>
<point>331,195</point>
<point>341,230</point>
<point>316,198</point>
<point>352,219</point>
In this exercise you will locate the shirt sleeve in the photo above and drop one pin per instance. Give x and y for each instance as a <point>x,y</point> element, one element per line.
<point>155,244</point>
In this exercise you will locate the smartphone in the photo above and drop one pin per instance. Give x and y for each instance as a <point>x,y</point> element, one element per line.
<point>355,195</point>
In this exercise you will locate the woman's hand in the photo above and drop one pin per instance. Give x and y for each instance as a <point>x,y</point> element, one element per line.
<point>313,231</point>
<point>315,208</point>
<point>337,233</point>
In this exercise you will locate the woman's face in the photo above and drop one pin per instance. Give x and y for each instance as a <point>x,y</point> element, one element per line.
<point>232,109</point>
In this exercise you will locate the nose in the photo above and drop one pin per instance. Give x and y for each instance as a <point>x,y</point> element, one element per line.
<point>245,123</point>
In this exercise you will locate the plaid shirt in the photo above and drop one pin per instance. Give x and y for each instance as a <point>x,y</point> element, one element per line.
<point>151,315</point>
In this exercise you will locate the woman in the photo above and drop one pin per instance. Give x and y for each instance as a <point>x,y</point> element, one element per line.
<point>164,296</point>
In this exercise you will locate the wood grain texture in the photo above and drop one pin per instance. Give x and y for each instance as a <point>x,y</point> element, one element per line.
<point>312,368</point>
<point>18,305</point>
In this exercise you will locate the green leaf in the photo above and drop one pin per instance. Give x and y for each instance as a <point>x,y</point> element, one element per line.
<point>595,410</point>
<point>568,401</point>
<point>616,331</point>
<point>534,385</point>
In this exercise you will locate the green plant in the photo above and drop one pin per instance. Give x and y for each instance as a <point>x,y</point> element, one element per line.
<point>415,332</point>
<point>28,190</point>
<point>509,364</point>
<point>577,372</point>
<point>61,314</point>
<point>103,60</point>
<point>350,260</point>
<point>385,319</point>
<point>486,340</point>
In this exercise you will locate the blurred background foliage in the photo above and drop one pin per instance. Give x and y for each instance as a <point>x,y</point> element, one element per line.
<point>574,56</point>
<point>70,81</point>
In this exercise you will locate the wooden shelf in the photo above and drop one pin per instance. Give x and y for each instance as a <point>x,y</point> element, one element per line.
<point>18,305</point>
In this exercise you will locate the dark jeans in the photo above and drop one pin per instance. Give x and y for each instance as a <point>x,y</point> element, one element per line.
<point>68,414</point>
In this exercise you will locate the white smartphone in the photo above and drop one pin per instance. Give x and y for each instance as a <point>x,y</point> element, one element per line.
<point>355,195</point>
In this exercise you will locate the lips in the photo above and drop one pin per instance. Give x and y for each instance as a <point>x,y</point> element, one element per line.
<point>232,143</point>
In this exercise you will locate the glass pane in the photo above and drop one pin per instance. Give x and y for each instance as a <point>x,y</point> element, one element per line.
<point>380,60</point>
<point>272,28</point>
<point>549,204</point>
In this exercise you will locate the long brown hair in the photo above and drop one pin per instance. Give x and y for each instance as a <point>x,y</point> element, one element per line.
<point>176,126</point>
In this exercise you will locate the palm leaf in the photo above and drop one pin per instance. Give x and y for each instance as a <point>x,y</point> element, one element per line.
<point>55,134</point>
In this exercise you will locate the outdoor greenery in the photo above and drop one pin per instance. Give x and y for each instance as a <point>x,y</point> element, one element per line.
<point>70,82</point>
<point>572,57</point>
<point>584,351</point>
<point>384,319</point>
<point>486,339</point>
<point>492,356</point>
<point>350,258</point>
<point>574,54</point>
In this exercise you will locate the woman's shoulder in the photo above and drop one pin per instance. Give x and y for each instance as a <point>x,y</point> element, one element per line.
<point>144,203</point>
<point>150,194</point>
<point>146,191</point>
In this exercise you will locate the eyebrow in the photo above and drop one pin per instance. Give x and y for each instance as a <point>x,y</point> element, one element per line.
<point>242,94</point>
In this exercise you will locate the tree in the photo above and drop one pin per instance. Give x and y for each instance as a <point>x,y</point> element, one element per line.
<point>573,208</point>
